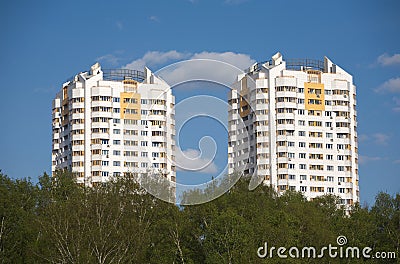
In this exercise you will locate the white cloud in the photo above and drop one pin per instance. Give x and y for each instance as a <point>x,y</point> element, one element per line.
<point>109,58</point>
<point>119,25</point>
<point>387,60</point>
<point>396,107</point>
<point>154,18</point>
<point>156,58</point>
<point>390,86</point>
<point>380,138</point>
<point>242,61</point>
<point>191,160</point>
<point>219,67</point>
<point>367,159</point>
<point>377,138</point>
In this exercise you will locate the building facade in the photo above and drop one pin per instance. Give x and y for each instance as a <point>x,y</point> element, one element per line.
<point>293,123</point>
<point>110,122</point>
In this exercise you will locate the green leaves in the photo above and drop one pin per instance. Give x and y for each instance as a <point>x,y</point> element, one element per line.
<point>58,221</point>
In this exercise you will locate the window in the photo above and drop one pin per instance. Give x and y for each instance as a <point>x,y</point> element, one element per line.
<point>340,179</point>
<point>340,168</point>
<point>143,101</point>
<point>302,133</point>
<point>104,163</point>
<point>329,178</point>
<point>116,163</point>
<point>329,168</point>
<point>340,157</point>
<point>300,101</point>
<point>341,190</point>
<point>329,135</point>
<point>290,144</point>
<point>104,173</point>
<point>291,166</point>
<point>303,188</point>
<point>116,99</point>
<point>143,133</point>
<point>302,155</point>
<point>300,90</point>
<point>143,112</point>
<point>116,152</point>
<point>328,124</point>
<point>302,144</point>
<point>144,165</point>
<point>292,177</point>
<point>340,146</point>
<point>116,121</point>
<point>116,110</point>
<point>329,146</point>
<point>143,154</point>
<point>303,166</point>
<point>303,177</point>
<point>290,155</point>
<point>300,111</point>
<point>143,143</point>
<point>329,157</point>
<point>330,189</point>
<point>117,142</point>
<point>302,123</point>
<point>116,131</point>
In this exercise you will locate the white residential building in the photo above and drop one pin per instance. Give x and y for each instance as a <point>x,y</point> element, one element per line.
<point>299,127</point>
<point>110,122</point>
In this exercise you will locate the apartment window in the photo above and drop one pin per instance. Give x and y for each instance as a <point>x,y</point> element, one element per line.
<point>302,155</point>
<point>329,157</point>
<point>291,166</point>
<point>104,173</point>
<point>143,133</point>
<point>328,124</point>
<point>340,168</point>
<point>143,154</point>
<point>303,188</point>
<point>303,166</point>
<point>302,123</point>
<point>330,189</point>
<point>328,113</point>
<point>144,165</point>
<point>340,179</point>
<point>300,111</point>
<point>328,102</point>
<point>290,155</point>
<point>116,163</point>
<point>116,99</point>
<point>340,146</point>
<point>303,177</point>
<point>143,112</point>
<point>340,157</point>
<point>329,146</point>
<point>329,135</point>
<point>116,131</point>
<point>328,92</point>
<point>302,144</point>
<point>116,153</point>
<point>292,177</point>
<point>143,143</point>
<point>156,165</point>
<point>117,142</point>
<point>329,168</point>
<point>143,122</point>
<point>116,121</point>
<point>116,110</point>
<point>290,144</point>
<point>104,141</point>
<point>341,190</point>
<point>302,133</point>
<point>104,163</point>
<point>329,178</point>
<point>300,90</point>
<point>300,101</point>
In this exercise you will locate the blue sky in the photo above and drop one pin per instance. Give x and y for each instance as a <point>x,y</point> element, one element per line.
<point>45,42</point>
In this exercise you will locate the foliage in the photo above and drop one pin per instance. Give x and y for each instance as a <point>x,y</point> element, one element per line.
<point>58,221</point>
